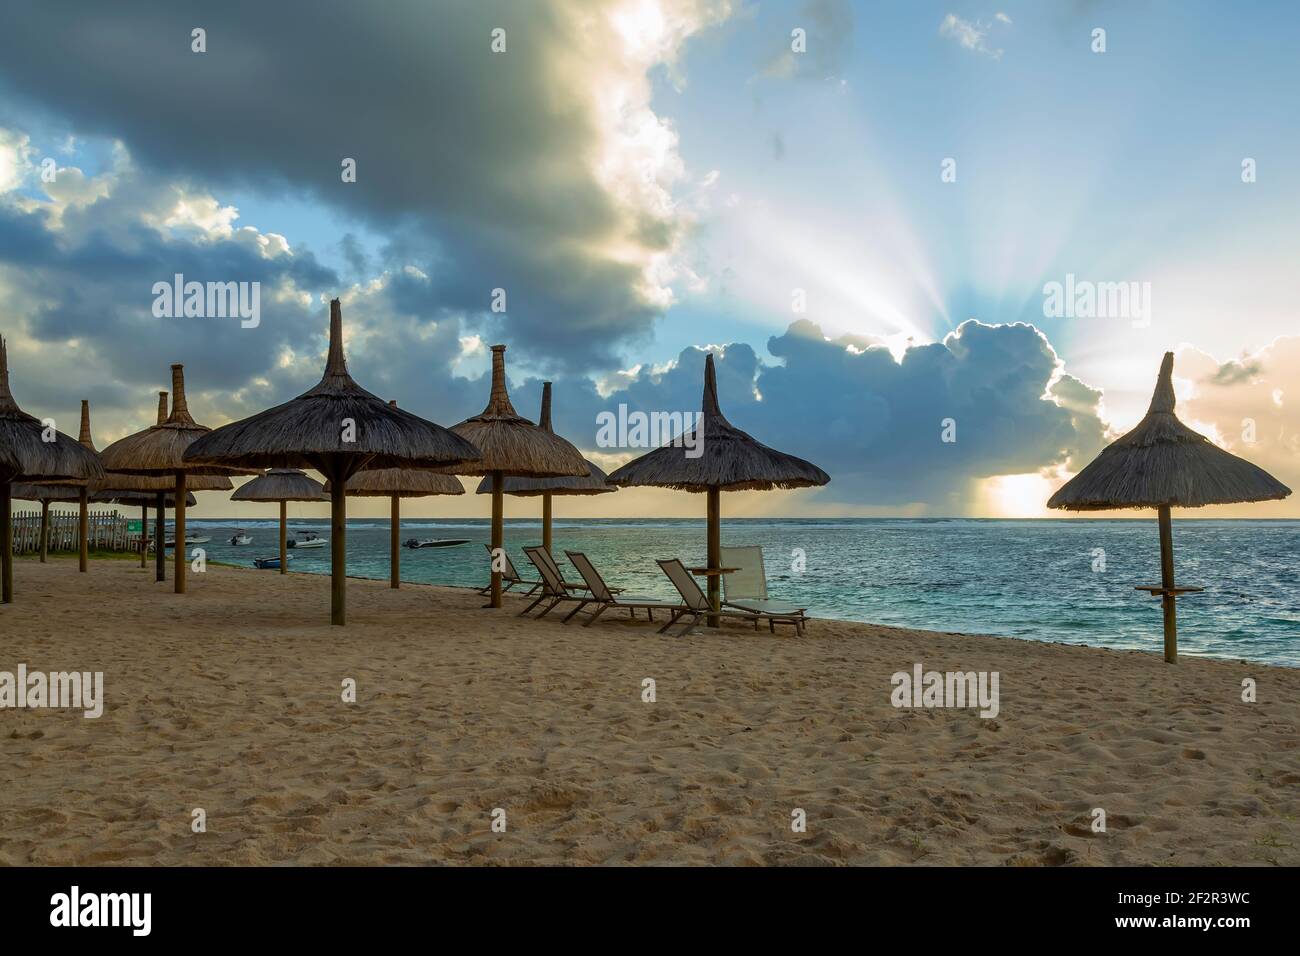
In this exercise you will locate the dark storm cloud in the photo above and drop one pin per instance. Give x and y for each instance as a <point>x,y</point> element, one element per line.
<point>85,291</point>
<point>876,424</point>
<point>484,158</point>
<point>469,166</point>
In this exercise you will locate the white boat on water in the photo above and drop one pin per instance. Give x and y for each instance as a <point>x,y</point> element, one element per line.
<point>307,539</point>
<point>201,539</point>
<point>241,537</point>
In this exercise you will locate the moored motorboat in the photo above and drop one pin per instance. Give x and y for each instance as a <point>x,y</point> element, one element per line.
<point>308,539</point>
<point>272,563</point>
<point>241,537</point>
<point>433,542</point>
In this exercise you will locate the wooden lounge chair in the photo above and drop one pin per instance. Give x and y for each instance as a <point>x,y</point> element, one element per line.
<point>554,588</point>
<point>545,553</point>
<point>695,602</point>
<point>509,577</point>
<point>605,597</point>
<point>746,589</point>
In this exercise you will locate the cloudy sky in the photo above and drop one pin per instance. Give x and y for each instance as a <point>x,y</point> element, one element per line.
<point>857,206</point>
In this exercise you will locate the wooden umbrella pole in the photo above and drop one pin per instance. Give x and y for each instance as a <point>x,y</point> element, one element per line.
<point>338,546</point>
<point>394,554</point>
<point>180,552</point>
<point>546,520</point>
<point>284,537</point>
<point>144,535</point>
<point>160,538</point>
<point>84,505</point>
<point>1168,598</point>
<point>498,535</point>
<point>6,546</point>
<point>715,551</point>
<point>45,529</point>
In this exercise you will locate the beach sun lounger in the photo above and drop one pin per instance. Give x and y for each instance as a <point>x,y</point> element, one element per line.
<point>746,589</point>
<point>605,597</point>
<point>554,588</point>
<point>544,553</point>
<point>695,601</point>
<point>509,577</point>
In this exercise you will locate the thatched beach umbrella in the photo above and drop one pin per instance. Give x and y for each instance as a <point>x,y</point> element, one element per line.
<point>511,445</point>
<point>159,451</point>
<point>283,485</point>
<point>83,493</point>
<point>104,489</point>
<point>594,483</point>
<point>82,496</point>
<point>30,452</point>
<point>728,460</point>
<point>65,492</point>
<point>337,428</point>
<point>1163,464</point>
<point>158,490</point>
<point>396,484</point>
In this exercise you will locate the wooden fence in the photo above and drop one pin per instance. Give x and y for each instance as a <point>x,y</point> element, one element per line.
<point>106,531</point>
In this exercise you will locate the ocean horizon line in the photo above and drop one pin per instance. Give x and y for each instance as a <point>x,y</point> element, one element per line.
<point>235,519</point>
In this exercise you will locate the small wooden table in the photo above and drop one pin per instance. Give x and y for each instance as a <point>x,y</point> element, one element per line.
<point>715,599</point>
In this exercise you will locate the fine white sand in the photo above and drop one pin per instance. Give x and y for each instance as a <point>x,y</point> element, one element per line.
<point>228,699</point>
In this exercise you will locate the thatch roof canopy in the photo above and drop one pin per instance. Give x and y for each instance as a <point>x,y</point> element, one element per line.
<point>304,431</point>
<point>159,449</point>
<point>594,483</point>
<point>150,485</point>
<point>72,493</point>
<point>1163,462</point>
<point>105,489</point>
<point>22,491</point>
<point>85,441</point>
<point>400,483</point>
<point>24,454</point>
<point>729,459</point>
<point>510,443</point>
<point>281,484</point>
<point>84,438</point>
<point>138,498</point>
<point>117,483</point>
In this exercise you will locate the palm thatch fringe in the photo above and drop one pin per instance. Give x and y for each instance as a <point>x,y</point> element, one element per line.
<point>400,483</point>
<point>147,498</point>
<point>25,454</point>
<point>594,483</point>
<point>509,443</point>
<point>335,418</point>
<point>22,491</point>
<point>160,449</point>
<point>1163,462</point>
<point>729,459</point>
<point>281,484</point>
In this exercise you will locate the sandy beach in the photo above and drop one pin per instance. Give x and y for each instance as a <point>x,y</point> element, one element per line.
<point>229,699</point>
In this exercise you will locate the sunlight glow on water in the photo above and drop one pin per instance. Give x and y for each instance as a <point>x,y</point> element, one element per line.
<point>1028,579</point>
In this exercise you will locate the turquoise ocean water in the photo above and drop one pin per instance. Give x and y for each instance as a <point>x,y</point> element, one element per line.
<point>1031,579</point>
